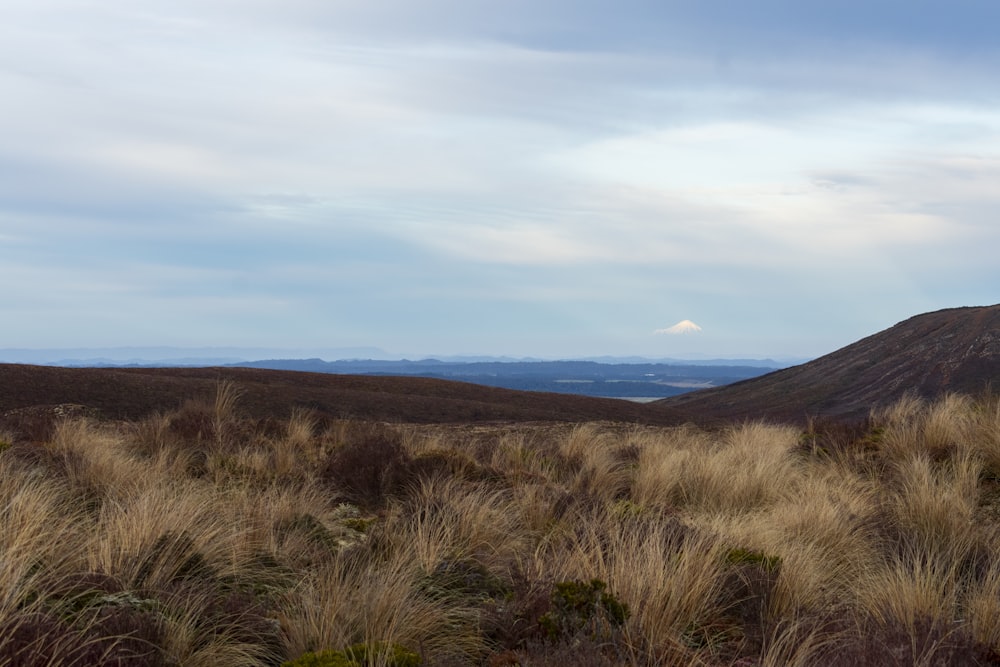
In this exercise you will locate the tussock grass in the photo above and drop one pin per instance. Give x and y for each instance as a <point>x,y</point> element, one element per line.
<point>204,537</point>
<point>453,520</point>
<point>935,503</point>
<point>983,605</point>
<point>671,577</point>
<point>747,467</point>
<point>353,600</point>
<point>37,530</point>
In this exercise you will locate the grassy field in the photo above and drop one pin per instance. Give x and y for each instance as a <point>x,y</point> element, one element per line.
<point>205,536</point>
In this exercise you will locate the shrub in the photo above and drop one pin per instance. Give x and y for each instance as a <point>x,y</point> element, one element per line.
<point>514,622</point>
<point>83,619</point>
<point>369,468</point>
<point>925,642</point>
<point>213,626</point>
<point>582,606</point>
<point>740,556</point>
<point>312,529</point>
<point>578,652</point>
<point>359,655</point>
<point>463,580</point>
<point>742,604</point>
<point>114,637</point>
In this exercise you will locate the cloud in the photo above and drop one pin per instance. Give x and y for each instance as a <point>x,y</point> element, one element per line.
<point>682,327</point>
<point>352,163</point>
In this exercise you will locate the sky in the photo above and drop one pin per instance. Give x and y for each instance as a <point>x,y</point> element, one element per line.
<point>551,179</point>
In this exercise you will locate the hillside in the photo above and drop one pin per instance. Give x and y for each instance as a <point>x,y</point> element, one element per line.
<point>131,393</point>
<point>952,350</point>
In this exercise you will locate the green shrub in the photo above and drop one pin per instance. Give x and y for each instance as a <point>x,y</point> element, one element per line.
<point>626,509</point>
<point>740,556</point>
<point>578,606</point>
<point>463,580</point>
<point>359,524</point>
<point>321,659</point>
<point>313,529</point>
<point>359,655</point>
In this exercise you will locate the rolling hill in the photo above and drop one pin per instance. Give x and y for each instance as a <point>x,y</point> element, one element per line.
<point>130,393</point>
<point>952,350</point>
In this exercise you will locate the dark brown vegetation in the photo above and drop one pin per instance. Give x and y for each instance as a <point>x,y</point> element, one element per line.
<point>133,393</point>
<point>954,350</point>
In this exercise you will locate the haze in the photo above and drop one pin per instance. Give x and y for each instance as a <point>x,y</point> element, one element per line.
<point>548,179</point>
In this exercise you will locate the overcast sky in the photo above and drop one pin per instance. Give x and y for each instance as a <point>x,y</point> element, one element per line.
<point>547,178</point>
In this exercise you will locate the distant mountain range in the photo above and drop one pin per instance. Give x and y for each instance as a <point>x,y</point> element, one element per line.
<point>169,357</point>
<point>953,350</point>
<point>165,356</point>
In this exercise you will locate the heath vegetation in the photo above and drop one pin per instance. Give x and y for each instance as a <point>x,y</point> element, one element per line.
<point>204,536</point>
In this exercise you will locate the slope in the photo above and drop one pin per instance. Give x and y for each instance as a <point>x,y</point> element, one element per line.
<point>952,350</point>
<point>130,393</point>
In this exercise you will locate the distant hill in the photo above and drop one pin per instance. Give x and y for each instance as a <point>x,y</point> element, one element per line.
<point>953,350</point>
<point>164,356</point>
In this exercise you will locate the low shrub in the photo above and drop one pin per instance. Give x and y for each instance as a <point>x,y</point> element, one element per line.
<point>359,655</point>
<point>84,619</point>
<point>463,580</point>
<point>741,556</point>
<point>579,606</point>
<point>747,588</point>
<point>369,467</point>
<point>890,642</point>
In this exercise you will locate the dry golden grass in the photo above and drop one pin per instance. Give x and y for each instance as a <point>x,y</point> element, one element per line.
<point>740,470</point>
<point>210,540</point>
<point>227,395</point>
<point>450,520</point>
<point>670,577</point>
<point>983,605</point>
<point>600,469</point>
<point>144,538</point>
<point>985,433</point>
<point>912,588</point>
<point>38,526</point>
<point>935,503</point>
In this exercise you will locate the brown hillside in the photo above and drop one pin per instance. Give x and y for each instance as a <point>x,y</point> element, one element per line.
<point>130,393</point>
<point>953,350</point>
